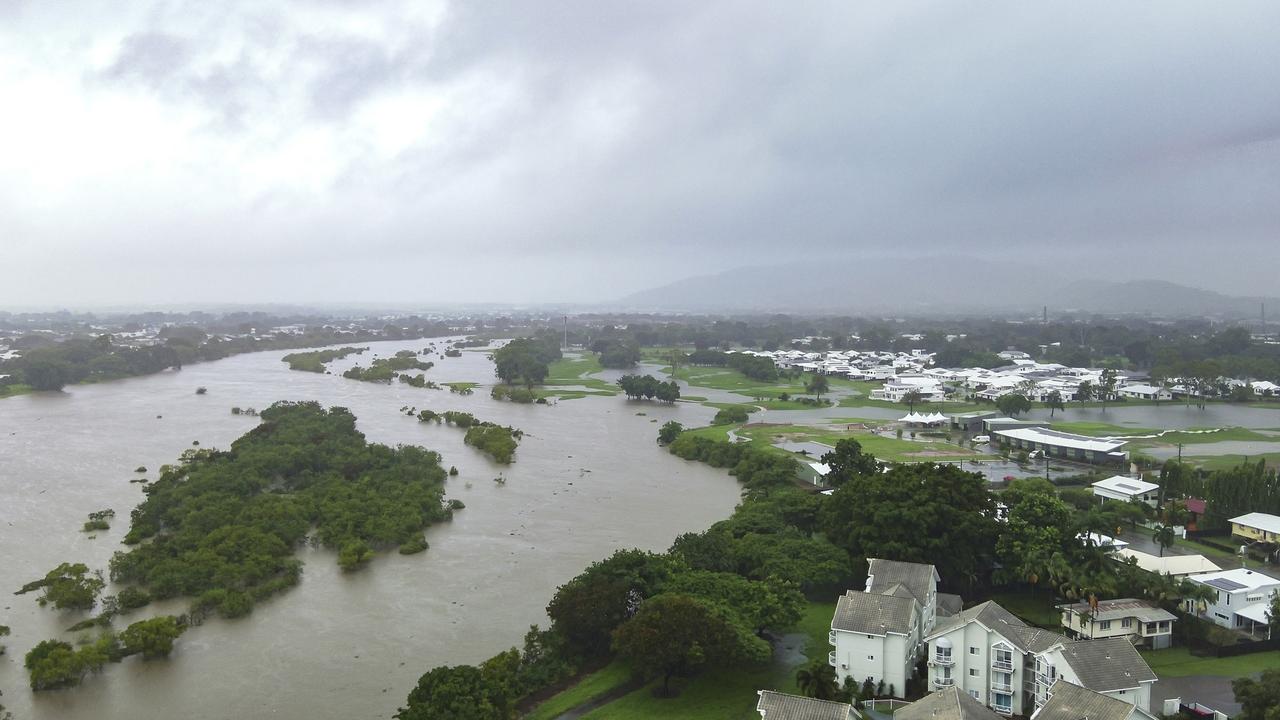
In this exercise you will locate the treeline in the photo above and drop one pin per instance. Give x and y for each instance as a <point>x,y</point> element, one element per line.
<point>617,353</point>
<point>499,442</point>
<point>526,360</point>
<point>316,360</point>
<point>223,527</point>
<point>1230,492</point>
<point>384,370</point>
<point>752,366</point>
<point>648,387</point>
<point>55,663</point>
<point>75,360</point>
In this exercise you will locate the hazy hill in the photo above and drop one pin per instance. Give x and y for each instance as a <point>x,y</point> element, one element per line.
<point>933,285</point>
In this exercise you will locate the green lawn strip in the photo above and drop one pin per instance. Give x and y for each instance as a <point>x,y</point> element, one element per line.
<point>729,406</point>
<point>1179,662</point>
<point>792,405</point>
<point>1226,462</point>
<point>816,626</point>
<point>461,385</point>
<point>607,678</point>
<point>694,398</point>
<point>1098,429</point>
<point>1034,608</point>
<point>1208,551</point>
<point>887,449</point>
<point>15,389</point>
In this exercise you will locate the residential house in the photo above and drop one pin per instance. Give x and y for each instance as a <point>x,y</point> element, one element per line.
<point>1256,527</point>
<point>1143,622</point>
<point>1242,598</point>
<point>1145,392</point>
<point>877,633</point>
<point>1069,701</point>
<point>1126,489</point>
<point>988,653</point>
<point>1111,667</point>
<point>949,703</point>
<point>781,706</point>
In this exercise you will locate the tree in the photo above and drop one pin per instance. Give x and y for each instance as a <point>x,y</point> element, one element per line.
<point>47,374</point>
<point>1013,404</point>
<point>4,631</point>
<point>1038,527</point>
<point>1107,387</point>
<point>920,512</point>
<point>817,385</point>
<point>1259,699</point>
<point>674,635</point>
<point>1273,616</point>
<point>1085,392</point>
<point>669,431</point>
<point>589,607</point>
<point>152,638</point>
<point>847,460</point>
<point>818,680</point>
<point>1054,401</point>
<point>911,397</point>
<point>1164,537</point>
<point>70,586</point>
<point>462,692</point>
<point>52,664</point>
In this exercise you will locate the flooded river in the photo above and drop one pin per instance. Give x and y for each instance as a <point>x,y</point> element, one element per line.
<point>588,478</point>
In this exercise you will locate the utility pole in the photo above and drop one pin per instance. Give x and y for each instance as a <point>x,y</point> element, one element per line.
<point>566,332</point>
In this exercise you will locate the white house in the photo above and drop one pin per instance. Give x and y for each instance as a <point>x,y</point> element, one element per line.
<point>1145,392</point>
<point>1142,622</point>
<point>1110,667</point>
<point>1175,565</point>
<point>877,633</point>
<point>1242,598</point>
<point>987,652</point>
<point>781,706</point>
<point>1069,701</point>
<point>1125,489</point>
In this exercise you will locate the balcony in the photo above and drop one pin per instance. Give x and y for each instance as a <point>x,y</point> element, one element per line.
<point>941,660</point>
<point>831,638</point>
<point>944,681</point>
<point>831,658</point>
<point>1002,687</point>
<point>1002,665</point>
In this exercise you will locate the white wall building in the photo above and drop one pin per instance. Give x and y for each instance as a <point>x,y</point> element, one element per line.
<point>988,653</point>
<point>1242,598</point>
<point>1126,489</point>
<point>1110,667</point>
<point>1142,622</point>
<point>1072,702</point>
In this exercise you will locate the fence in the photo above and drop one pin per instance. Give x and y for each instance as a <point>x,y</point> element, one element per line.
<point>1244,648</point>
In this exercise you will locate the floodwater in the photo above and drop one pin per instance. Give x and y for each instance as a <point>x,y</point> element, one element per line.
<point>588,478</point>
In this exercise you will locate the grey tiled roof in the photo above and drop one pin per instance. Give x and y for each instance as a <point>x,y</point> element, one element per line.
<point>780,706</point>
<point>997,619</point>
<point>916,577</point>
<point>949,604</point>
<point>1106,665</point>
<point>1072,702</point>
<point>947,704</point>
<point>873,614</point>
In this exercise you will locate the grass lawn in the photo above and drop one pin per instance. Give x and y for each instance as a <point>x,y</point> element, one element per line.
<point>1034,608</point>
<point>729,406</point>
<point>1208,551</point>
<point>460,386</point>
<point>576,370</point>
<point>1179,662</point>
<point>884,448</point>
<point>1098,429</point>
<point>1226,462</point>
<point>597,683</point>
<point>15,389</point>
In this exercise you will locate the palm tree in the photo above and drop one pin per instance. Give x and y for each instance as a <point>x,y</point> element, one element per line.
<point>818,680</point>
<point>1163,537</point>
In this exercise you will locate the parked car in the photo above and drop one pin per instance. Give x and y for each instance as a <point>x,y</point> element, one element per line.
<point>982,439</point>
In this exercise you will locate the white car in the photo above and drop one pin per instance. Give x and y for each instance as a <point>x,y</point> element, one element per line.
<point>982,439</point>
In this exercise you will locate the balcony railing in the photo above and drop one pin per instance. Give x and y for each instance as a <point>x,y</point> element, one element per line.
<point>831,638</point>
<point>1002,665</point>
<point>944,681</point>
<point>1001,686</point>
<point>831,658</point>
<point>942,660</point>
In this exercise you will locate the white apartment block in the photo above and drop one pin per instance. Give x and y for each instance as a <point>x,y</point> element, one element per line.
<point>1110,667</point>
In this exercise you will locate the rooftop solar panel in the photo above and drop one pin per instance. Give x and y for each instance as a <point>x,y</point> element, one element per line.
<point>1225,584</point>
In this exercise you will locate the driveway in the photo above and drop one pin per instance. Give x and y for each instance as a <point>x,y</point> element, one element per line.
<point>1209,690</point>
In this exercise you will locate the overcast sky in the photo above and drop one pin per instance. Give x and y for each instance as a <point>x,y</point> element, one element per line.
<point>385,151</point>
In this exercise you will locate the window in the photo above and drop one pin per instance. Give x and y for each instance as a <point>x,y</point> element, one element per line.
<point>973,672</point>
<point>974,694</point>
<point>973,650</point>
<point>871,657</point>
<point>1105,625</point>
<point>1126,623</point>
<point>1003,702</point>
<point>1220,616</point>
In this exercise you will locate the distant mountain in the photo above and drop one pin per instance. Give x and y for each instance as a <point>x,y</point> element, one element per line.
<point>934,285</point>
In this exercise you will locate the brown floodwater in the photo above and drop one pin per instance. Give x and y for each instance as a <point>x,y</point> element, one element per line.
<point>588,479</point>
